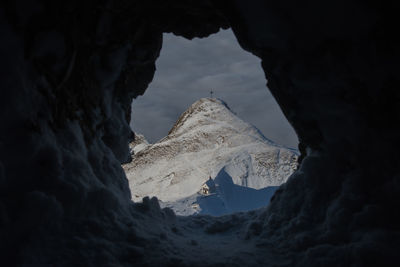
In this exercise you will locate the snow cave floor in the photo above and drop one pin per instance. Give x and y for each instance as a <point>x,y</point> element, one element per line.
<point>203,240</point>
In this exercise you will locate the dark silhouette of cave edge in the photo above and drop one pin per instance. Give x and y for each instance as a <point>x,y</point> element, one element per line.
<point>353,48</point>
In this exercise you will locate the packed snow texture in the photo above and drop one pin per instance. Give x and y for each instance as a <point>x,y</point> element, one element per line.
<point>209,140</point>
<point>69,72</point>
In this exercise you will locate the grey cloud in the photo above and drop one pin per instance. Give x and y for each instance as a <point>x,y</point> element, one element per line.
<point>187,70</point>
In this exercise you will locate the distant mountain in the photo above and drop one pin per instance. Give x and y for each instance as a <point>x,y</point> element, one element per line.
<point>138,144</point>
<point>209,140</point>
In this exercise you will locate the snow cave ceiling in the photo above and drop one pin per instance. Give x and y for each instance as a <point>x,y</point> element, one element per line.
<point>69,71</point>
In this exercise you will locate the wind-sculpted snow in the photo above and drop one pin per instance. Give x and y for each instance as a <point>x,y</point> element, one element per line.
<point>208,137</point>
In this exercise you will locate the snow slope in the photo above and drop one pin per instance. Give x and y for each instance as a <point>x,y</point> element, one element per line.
<point>138,144</point>
<point>228,198</point>
<point>209,140</point>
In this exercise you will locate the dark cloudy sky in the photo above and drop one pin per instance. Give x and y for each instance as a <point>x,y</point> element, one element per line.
<point>188,70</point>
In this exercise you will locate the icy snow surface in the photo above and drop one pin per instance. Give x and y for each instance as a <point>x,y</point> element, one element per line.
<point>209,140</point>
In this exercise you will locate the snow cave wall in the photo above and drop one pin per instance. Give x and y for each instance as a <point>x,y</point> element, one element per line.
<point>70,69</point>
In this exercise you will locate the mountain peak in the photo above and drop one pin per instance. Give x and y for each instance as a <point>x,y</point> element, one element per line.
<point>206,138</point>
<point>211,115</point>
<point>203,107</point>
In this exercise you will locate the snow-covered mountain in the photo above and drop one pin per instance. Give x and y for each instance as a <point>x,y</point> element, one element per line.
<point>138,144</point>
<point>209,141</point>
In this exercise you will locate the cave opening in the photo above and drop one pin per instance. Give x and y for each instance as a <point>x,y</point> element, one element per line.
<point>238,148</point>
<point>69,71</point>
